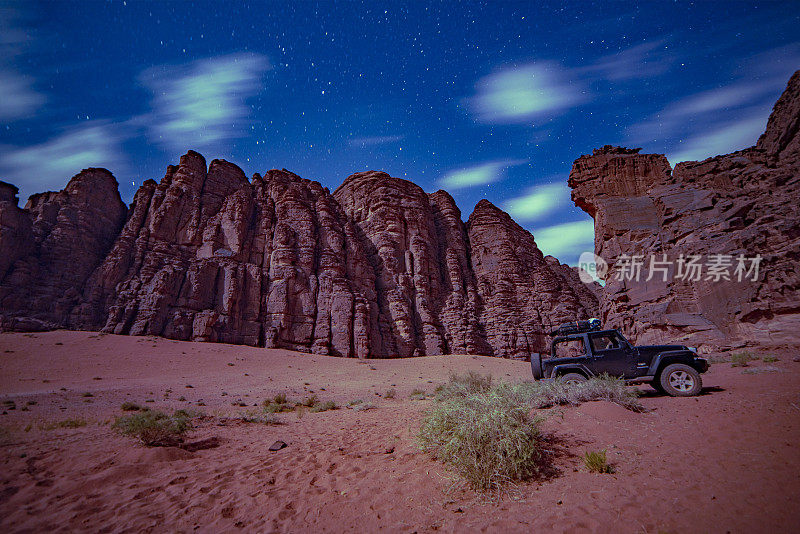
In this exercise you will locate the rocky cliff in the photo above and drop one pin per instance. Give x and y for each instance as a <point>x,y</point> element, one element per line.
<point>378,269</point>
<point>740,204</point>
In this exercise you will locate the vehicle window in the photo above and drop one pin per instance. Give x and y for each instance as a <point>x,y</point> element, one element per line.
<point>605,342</point>
<point>571,348</point>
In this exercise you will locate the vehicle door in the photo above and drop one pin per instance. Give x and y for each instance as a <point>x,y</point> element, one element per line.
<point>610,354</point>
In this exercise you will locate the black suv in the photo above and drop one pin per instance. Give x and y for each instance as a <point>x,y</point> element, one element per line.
<point>581,350</point>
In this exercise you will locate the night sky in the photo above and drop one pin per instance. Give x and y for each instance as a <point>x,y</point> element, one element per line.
<point>486,100</point>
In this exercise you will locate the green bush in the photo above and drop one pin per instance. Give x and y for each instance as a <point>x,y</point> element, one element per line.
<point>741,359</point>
<point>131,407</point>
<point>418,394</point>
<point>155,428</point>
<point>66,423</point>
<point>769,359</point>
<point>324,407</point>
<point>484,432</point>
<point>278,404</point>
<point>487,438</point>
<point>595,462</point>
<point>464,385</point>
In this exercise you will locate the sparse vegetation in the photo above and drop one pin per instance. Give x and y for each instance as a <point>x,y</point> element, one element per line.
<point>418,394</point>
<point>262,418</point>
<point>278,404</point>
<point>131,407</point>
<point>486,437</point>
<point>324,407</point>
<point>88,394</point>
<point>595,462</point>
<point>769,359</point>
<point>364,406</point>
<point>155,428</point>
<point>741,359</point>
<point>354,402</point>
<point>759,370</point>
<point>484,432</point>
<point>390,394</point>
<point>66,423</point>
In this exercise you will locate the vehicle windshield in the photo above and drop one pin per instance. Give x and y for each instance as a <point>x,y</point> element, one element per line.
<point>568,348</point>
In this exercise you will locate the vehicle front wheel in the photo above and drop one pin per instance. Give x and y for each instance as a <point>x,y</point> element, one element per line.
<point>573,378</point>
<point>680,380</point>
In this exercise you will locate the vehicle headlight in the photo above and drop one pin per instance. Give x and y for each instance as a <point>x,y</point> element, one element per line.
<point>693,349</point>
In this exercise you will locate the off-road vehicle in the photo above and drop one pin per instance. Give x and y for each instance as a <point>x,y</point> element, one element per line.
<point>581,350</point>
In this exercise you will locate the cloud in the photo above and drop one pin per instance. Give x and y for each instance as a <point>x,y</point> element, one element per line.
<point>540,200</point>
<point>723,140</point>
<point>541,90</point>
<point>19,99</point>
<point>49,165</point>
<point>723,119</point>
<point>376,140</point>
<point>485,173</point>
<point>199,104</point>
<point>566,241</point>
<point>535,91</point>
<point>645,60</point>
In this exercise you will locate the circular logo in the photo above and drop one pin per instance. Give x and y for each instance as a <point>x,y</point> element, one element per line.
<point>591,267</point>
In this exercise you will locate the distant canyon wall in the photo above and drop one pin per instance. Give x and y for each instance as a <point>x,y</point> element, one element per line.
<point>744,203</point>
<point>379,268</point>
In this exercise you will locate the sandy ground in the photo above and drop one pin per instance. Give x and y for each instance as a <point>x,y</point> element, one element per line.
<point>726,461</point>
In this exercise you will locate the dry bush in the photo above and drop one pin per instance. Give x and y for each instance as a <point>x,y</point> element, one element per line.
<point>155,428</point>
<point>595,462</point>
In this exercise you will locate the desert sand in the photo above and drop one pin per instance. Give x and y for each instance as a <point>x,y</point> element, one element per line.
<point>724,461</point>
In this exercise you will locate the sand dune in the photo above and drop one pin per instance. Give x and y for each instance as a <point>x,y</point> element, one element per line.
<point>724,461</point>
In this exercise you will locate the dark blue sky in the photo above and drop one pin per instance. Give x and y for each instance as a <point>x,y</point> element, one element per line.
<point>487,100</point>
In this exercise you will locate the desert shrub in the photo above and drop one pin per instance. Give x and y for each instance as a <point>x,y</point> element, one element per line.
<point>595,462</point>
<point>66,423</point>
<point>252,416</point>
<point>741,359</point>
<point>155,428</point>
<point>769,359</point>
<point>364,406</point>
<point>324,407</point>
<point>464,385</point>
<point>88,394</point>
<point>487,438</point>
<point>354,402</point>
<point>278,404</point>
<point>131,407</point>
<point>417,394</point>
<point>310,401</point>
<point>390,394</point>
<point>759,370</point>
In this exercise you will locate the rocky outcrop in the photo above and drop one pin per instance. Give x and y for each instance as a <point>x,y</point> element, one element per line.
<point>52,247</point>
<point>523,295</point>
<point>740,204</point>
<point>379,268</point>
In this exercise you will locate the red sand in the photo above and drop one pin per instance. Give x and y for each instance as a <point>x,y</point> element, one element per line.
<point>724,461</point>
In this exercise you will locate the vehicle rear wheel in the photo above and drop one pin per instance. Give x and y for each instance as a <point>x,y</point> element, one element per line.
<point>680,380</point>
<point>573,378</point>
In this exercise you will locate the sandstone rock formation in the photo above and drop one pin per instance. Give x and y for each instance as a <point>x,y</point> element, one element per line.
<point>51,247</point>
<point>380,268</point>
<point>743,203</point>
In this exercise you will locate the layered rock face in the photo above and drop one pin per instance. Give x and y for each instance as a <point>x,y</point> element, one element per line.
<point>740,204</point>
<point>51,247</point>
<point>378,269</point>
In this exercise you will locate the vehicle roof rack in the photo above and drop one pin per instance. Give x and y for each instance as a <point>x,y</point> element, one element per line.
<point>577,327</point>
